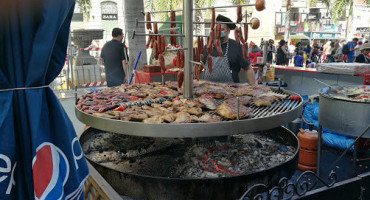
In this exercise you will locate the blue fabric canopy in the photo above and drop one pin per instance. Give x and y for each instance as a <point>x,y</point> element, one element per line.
<point>40,156</point>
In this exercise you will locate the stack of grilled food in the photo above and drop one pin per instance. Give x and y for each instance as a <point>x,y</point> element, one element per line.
<point>155,103</point>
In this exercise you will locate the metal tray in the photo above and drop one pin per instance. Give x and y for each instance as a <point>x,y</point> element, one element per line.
<point>265,118</point>
<point>343,115</point>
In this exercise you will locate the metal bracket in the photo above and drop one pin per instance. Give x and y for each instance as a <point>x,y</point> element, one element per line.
<point>285,190</point>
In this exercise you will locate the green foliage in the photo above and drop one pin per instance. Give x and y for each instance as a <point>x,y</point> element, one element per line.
<point>85,6</point>
<point>337,8</point>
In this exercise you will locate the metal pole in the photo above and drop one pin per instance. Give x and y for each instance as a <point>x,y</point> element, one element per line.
<point>319,131</point>
<point>287,21</point>
<point>69,56</point>
<point>188,43</point>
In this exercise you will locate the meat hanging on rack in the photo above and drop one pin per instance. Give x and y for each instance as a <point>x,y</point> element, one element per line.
<point>218,30</point>
<point>241,35</point>
<point>155,49</point>
<point>182,56</point>
<point>218,47</point>
<point>162,62</point>
<point>173,38</point>
<point>155,28</point>
<point>236,35</point>
<point>173,18</point>
<point>180,78</point>
<point>246,32</point>
<point>209,63</point>
<point>239,14</point>
<point>245,51</point>
<point>163,44</point>
<point>178,58</point>
<point>196,72</point>
<point>213,18</point>
<point>210,42</point>
<point>149,40</point>
<point>148,19</point>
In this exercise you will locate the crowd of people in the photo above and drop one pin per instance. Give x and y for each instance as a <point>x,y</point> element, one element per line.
<point>301,55</point>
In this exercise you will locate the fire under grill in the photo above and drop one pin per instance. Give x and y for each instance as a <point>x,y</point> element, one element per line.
<point>198,168</point>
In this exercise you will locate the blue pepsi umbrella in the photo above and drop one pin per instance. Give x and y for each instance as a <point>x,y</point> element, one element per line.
<point>40,156</point>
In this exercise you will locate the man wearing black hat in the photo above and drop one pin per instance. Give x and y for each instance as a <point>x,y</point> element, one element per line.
<point>227,68</point>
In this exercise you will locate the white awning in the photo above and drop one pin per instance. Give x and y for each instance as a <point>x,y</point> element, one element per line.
<point>299,37</point>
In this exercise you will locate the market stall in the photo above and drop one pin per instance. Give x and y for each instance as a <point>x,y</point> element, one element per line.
<point>202,140</point>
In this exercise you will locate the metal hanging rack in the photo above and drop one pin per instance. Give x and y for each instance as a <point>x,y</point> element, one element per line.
<point>188,35</point>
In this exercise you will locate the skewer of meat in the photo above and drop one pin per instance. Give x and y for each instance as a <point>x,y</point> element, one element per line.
<point>173,18</point>
<point>148,19</point>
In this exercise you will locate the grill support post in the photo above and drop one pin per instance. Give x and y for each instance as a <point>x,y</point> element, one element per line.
<point>188,43</point>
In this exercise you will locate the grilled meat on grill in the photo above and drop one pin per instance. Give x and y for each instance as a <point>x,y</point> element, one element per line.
<point>228,110</point>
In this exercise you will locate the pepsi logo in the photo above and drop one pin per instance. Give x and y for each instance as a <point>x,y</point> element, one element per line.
<point>50,169</point>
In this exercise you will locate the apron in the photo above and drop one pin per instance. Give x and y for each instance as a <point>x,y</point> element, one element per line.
<point>221,71</point>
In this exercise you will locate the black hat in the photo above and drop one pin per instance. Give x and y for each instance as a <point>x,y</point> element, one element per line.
<point>221,18</point>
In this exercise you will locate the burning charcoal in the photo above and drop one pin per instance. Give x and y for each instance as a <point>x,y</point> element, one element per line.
<point>258,144</point>
<point>132,160</point>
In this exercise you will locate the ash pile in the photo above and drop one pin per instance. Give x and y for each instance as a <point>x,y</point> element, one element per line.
<point>188,158</point>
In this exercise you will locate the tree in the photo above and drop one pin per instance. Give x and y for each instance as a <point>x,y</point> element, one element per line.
<point>132,12</point>
<point>337,8</point>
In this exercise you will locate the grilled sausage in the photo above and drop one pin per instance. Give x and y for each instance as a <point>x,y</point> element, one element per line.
<point>245,51</point>
<point>236,35</point>
<point>209,63</point>
<point>201,47</point>
<point>246,32</point>
<point>173,18</point>
<point>152,42</point>
<point>148,19</point>
<point>155,28</point>
<point>239,14</point>
<point>180,78</point>
<point>161,62</point>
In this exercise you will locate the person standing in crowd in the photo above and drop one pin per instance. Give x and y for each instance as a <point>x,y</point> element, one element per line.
<point>281,53</point>
<point>338,55</point>
<point>298,47</point>
<point>358,48</point>
<point>307,50</point>
<point>270,51</point>
<point>227,68</point>
<point>351,50</point>
<point>298,59</point>
<point>314,54</point>
<point>364,56</point>
<point>254,54</point>
<point>114,59</point>
<point>326,50</point>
